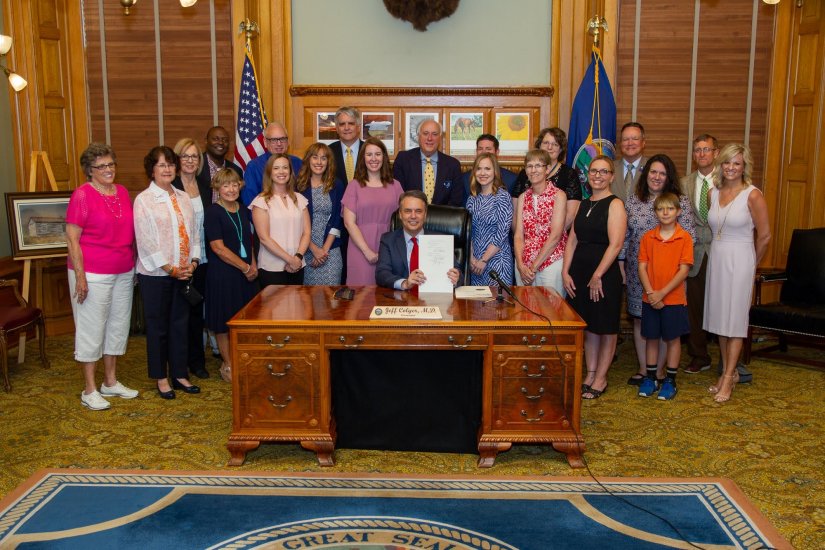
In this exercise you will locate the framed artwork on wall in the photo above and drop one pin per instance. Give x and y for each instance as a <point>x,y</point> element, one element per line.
<point>379,125</point>
<point>513,132</point>
<point>412,120</point>
<point>463,128</point>
<point>37,223</point>
<point>325,127</point>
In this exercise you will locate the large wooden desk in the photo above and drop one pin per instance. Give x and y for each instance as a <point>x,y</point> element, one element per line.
<point>281,373</point>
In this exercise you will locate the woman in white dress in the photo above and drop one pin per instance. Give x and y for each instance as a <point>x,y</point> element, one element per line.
<point>736,209</point>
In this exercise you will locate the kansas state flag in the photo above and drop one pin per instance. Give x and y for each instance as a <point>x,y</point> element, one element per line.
<point>593,120</point>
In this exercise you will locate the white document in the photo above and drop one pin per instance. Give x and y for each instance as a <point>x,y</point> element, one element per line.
<point>436,257</point>
<point>473,292</point>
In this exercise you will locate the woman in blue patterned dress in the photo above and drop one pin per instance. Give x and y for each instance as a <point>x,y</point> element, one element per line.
<point>492,211</point>
<point>316,181</point>
<point>658,176</point>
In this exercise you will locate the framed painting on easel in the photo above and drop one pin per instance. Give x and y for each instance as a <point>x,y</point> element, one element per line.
<point>37,223</point>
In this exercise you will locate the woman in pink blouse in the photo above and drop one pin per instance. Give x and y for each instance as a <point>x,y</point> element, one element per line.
<point>169,248</point>
<point>539,237</point>
<point>282,223</point>
<point>101,262</point>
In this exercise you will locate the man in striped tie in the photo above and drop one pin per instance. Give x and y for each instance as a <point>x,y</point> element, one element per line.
<point>629,168</point>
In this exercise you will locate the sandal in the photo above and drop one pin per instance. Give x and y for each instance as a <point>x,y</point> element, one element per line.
<point>226,373</point>
<point>586,387</point>
<point>635,380</point>
<point>721,397</point>
<point>594,393</point>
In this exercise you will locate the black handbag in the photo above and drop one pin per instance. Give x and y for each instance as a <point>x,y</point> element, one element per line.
<point>191,294</point>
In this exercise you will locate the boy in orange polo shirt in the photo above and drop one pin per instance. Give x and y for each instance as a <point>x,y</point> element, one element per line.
<point>665,257</point>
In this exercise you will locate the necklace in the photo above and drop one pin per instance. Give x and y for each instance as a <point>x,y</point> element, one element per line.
<point>593,205</point>
<point>112,201</point>
<point>238,228</point>
<point>725,219</point>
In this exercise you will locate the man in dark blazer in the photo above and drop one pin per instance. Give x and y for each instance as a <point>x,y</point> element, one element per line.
<point>214,159</point>
<point>348,126</point>
<point>410,166</point>
<point>393,268</point>
<point>629,168</point>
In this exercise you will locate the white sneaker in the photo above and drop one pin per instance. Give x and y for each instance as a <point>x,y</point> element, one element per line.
<point>94,401</point>
<point>118,390</point>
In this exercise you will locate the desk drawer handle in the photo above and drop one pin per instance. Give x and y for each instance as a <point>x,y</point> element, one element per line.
<point>466,343</point>
<point>358,341</point>
<point>278,346</point>
<point>539,374</point>
<point>532,397</point>
<point>537,419</point>
<point>527,343</point>
<point>282,405</point>
<point>279,374</point>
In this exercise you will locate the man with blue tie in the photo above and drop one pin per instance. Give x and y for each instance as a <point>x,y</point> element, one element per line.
<point>398,252</point>
<point>632,147</point>
<point>427,169</point>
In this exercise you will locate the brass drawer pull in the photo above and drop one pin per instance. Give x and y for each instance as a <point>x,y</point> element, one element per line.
<point>532,397</point>
<point>539,374</point>
<point>466,343</point>
<point>358,341</point>
<point>278,374</point>
<point>527,343</point>
<point>282,405</point>
<point>278,346</point>
<point>528,419</point>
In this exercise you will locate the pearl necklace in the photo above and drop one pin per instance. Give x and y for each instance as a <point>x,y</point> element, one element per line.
<point>112,201</point>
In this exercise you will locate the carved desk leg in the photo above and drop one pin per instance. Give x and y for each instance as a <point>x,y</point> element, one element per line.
<point>573,450</point>
<point>238,450</point>
<point>487,451</point>
<point>323,451</point>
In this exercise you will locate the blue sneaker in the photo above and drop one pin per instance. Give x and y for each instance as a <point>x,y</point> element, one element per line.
<point>648,387</point>
<point>668,390</point>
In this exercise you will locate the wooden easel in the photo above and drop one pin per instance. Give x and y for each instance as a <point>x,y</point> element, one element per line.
<point>27,262</point>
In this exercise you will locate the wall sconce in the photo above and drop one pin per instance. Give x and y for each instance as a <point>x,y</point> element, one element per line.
<point>771,1</point>
<point>17,82</point>
<point>126,5</point>
<point>188,3</point>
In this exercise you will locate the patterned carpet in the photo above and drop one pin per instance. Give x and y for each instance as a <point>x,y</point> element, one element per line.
<point>768,439</point>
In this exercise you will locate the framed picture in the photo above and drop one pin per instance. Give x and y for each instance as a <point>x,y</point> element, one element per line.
<point>513,133</point>
<point>463,129</point>
<point>411,123</point>
<point>37,223</point>
<point>381,126</point>
<point>325,128</point>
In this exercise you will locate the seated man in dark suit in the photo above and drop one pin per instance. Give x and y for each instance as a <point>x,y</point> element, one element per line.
<point>488,143</point>
<point>214,159</point>
<point>426,169</point>
<point>400,246</point>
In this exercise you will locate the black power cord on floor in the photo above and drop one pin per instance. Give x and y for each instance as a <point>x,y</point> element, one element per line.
<point>579,438</point>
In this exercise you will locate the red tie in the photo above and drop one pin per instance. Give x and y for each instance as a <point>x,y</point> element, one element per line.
<point>414,255</point>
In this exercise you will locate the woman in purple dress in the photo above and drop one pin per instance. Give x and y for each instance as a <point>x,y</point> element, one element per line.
<point>368,203</point>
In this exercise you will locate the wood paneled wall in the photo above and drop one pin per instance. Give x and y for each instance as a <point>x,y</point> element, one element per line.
<point>157,82</point>
<point>658,88</point>
<point>51,111</point>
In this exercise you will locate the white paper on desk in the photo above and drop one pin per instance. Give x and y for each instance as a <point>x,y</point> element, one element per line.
<point>436,256</point>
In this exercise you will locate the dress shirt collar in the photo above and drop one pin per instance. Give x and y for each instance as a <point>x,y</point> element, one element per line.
<point>433,158</point>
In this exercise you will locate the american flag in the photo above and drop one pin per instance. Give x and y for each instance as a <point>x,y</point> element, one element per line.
<point>249,133</point>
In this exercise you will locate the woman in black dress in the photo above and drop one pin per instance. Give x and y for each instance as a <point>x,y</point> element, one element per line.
<point>230,279</point>
<point>591,273</point>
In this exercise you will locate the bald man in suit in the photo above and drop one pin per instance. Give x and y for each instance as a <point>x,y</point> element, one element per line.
<point>632,147</point>
<point>410,167</point>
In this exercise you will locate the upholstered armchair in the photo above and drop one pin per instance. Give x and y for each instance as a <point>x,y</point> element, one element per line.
<point>450,220</point>
<point>16,317</point>
<point>799,315</point>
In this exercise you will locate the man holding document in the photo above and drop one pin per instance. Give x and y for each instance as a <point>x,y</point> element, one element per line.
<point>406,254</point>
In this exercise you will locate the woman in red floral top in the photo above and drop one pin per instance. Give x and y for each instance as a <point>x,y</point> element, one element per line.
<point>539,237</point>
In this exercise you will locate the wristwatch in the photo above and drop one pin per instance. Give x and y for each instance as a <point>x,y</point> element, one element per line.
<point>299,255</point>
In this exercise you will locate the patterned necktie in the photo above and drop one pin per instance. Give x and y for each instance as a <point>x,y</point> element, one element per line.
<point>703,200</point>
<point>429,181</point>
<point>348,166</point>
<point>628,178</point>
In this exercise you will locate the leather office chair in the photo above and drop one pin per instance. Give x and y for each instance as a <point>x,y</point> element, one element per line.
<point>799,315</point>
<point>449,220</point>
<point>17,317</point>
